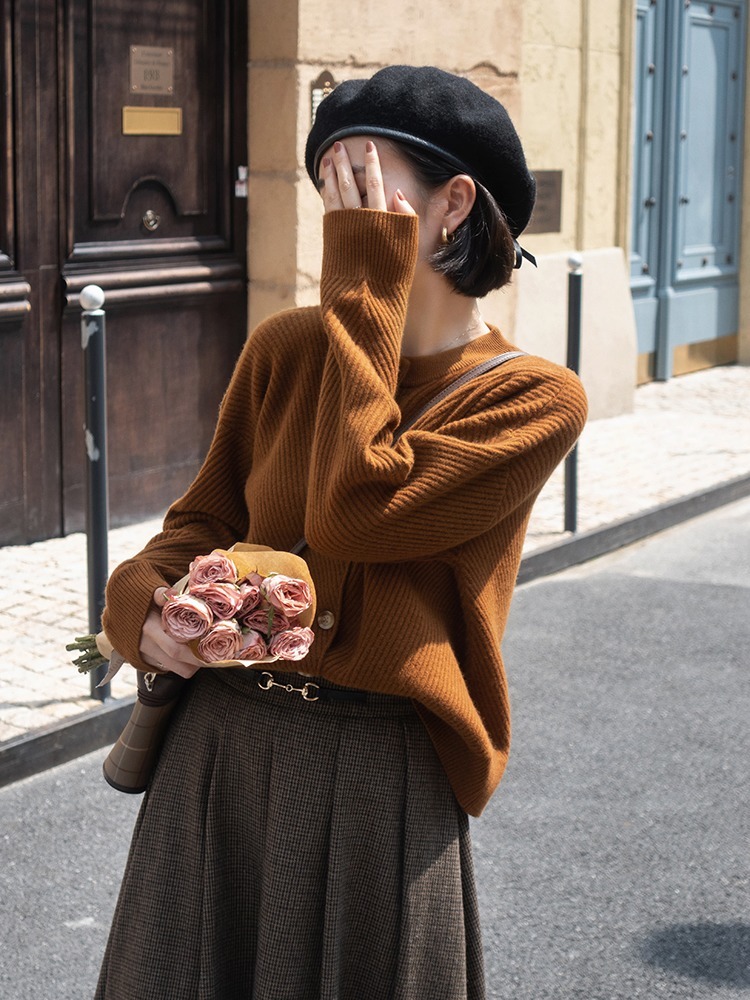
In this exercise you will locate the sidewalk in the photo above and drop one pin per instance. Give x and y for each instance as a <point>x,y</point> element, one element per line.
<point>685,436</point>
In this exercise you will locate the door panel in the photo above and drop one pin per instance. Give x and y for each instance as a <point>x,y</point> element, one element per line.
<point>181,177</point>
<point>161,376</point>
<point>685,214</point>
<point>72,209</point>
<point>708,167</point>
<point>29,382</point>
<point>175,294</point>
<point>649,95</point>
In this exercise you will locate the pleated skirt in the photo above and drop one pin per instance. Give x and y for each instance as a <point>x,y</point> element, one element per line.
<point>291,850</point>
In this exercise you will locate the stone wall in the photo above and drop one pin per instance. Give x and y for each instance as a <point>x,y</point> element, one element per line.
<point>563,71</point>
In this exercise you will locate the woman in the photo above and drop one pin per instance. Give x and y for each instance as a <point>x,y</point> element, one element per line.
<point>296,849</point>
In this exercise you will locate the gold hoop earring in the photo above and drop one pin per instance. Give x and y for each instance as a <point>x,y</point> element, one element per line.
<point>444,239</point>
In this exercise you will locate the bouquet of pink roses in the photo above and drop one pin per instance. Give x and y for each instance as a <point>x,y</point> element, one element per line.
<point>235,608</point>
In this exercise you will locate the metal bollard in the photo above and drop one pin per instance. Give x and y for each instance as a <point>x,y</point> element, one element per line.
<point>93,342</point>
<point>575,286</point>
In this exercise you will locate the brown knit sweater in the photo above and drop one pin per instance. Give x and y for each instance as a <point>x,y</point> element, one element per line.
<point>414,549</point>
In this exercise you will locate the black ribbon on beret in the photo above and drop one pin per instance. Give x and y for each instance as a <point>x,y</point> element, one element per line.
<point>437,112</point>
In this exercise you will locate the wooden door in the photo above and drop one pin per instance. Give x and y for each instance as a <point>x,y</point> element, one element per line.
<point>689,98</point>
<point>125,126</point>
<point>29,298</point>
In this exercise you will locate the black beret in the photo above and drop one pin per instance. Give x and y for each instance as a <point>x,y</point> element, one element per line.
<point>437,112</point>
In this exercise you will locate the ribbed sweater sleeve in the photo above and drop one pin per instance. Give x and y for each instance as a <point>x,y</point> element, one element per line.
<point>490,448</point>
<point>212,514</point>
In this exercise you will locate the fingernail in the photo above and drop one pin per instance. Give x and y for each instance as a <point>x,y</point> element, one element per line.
<point>337,147</point>
<point>400,194</point>
<point>369,146</point>
<point>326,161</point>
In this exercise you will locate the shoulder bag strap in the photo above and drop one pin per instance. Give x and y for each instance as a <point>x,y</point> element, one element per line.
<point>486,366</point>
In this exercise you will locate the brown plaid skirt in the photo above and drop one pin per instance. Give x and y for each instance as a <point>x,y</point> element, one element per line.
<point>290,850</point>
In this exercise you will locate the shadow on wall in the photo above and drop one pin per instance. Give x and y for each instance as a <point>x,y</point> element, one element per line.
<point>714,953</point>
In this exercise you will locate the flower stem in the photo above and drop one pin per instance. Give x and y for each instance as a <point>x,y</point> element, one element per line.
<point>90,657</point>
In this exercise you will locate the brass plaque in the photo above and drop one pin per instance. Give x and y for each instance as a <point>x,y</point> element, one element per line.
<point>152,121</point>
<point>547,214</point>
<point>151,70</point>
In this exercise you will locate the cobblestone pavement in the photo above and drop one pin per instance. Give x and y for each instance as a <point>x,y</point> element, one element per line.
<point>684,435</point>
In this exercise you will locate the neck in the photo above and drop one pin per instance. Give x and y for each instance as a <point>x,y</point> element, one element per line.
<point>437,318</point>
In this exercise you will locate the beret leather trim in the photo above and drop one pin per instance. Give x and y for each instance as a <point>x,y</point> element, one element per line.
<point>392,133</point>
<point>438,112</point>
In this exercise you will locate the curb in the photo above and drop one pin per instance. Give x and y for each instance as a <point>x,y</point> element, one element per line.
<point>600,541</point>
<point>59,743</point>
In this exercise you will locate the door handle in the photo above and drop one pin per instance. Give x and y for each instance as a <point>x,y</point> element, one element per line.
<point>151,220</point>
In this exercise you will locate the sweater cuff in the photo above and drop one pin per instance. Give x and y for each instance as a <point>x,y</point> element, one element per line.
<point>129,597</point>
<point>363,243</point>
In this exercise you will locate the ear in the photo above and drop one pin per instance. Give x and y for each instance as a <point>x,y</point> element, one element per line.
<point>460,194</point>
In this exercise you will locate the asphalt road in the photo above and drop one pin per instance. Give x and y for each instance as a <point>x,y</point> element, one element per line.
<point>613,862</point>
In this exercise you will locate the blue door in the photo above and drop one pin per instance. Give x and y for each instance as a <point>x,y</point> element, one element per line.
<point>689,88</point>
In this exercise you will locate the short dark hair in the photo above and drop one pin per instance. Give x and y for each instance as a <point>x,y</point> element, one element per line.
<point>482,254</point>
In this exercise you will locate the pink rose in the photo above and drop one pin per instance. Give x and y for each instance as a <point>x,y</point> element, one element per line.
<point>254,579</point>
<point>258,620</point>
<point>289,596</point>
<point>281,623</point>
<point>213,568</point>
<point>250,594</point>
<point>253,646</point>
<point>186,617</point>
<point>224,599</point>
<point>293,644</point>
<point>221,642</point>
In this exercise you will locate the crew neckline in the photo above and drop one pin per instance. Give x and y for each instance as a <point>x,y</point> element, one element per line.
<point>434,367</point>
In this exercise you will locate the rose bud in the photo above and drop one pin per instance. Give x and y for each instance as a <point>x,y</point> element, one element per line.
<point>186,617</point>
<point>259,620</point>
<point>221,642</point>
<point>213,568</point>
<point>289,596</point>
<point>250,594</point>
<point>293,644</point>
<point>253,646</point>
<point>281,623</point>
<point>224,599</point>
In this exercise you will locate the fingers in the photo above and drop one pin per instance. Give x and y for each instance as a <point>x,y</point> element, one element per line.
<point>400,204</point>
<point>161,595</point>
<point>345,186</point>
<point>375,192</point>
<point>161,651</point>
<point>185,670</point>
<point>332,201</point>
<point>340,190</point>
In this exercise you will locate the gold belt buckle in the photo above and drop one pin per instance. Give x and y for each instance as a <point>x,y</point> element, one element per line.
<point>266,682</point>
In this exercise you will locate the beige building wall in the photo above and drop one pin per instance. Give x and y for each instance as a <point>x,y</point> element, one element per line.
<point>561,69</point>
<point>576,85</point>
<point>290,45</point>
